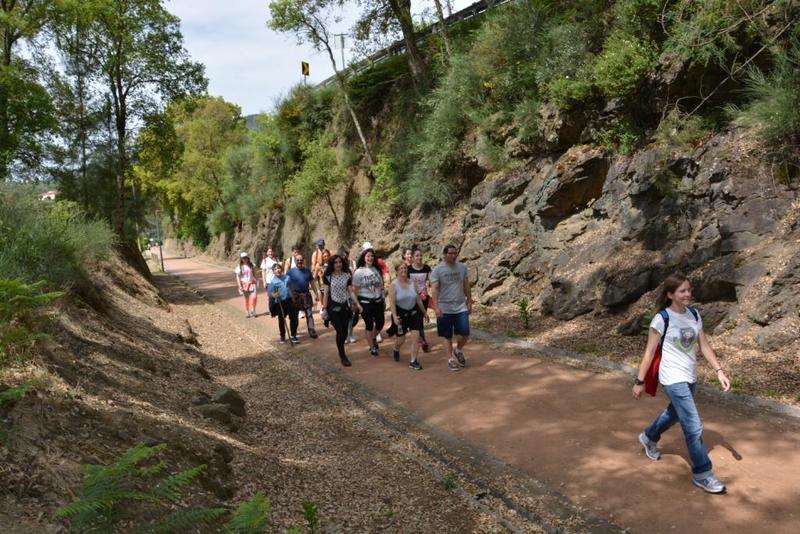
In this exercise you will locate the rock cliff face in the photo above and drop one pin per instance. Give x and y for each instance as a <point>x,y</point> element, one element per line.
<point>584,231</point>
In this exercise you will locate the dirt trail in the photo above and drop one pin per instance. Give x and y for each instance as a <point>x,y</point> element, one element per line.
<point>573,430</point>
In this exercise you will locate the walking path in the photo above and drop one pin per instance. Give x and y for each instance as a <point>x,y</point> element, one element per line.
<point>573,430</point>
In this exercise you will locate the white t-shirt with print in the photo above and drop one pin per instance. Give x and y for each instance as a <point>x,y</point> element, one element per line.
<point>266,268</point>
<point>679,352</point>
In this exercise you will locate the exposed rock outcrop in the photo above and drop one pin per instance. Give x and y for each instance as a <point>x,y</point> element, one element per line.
<point>587,232</point>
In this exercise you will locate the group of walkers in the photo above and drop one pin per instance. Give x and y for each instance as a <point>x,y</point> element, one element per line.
<point>346,291</point>
<point>360,289</point>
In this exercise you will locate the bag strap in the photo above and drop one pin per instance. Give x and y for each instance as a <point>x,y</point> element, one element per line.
<point>694,313</point>
<point>665,316</point>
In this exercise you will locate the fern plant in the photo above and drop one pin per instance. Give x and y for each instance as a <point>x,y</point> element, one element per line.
<point>109,490</point>
<point>20,316</point>
<point>251,517</point>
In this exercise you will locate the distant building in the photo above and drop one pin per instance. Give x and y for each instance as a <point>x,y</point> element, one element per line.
<point>50,195</point>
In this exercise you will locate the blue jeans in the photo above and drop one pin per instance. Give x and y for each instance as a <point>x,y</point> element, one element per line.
<point>683,409</point>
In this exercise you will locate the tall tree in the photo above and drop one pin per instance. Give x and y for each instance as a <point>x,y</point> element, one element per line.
<point>80,104</point>
<point>402,12</point>
<point>310,21</point>
<point>143,61</point>
<point>25,107</point>
<point>443,28</point>
<point>387,17</point>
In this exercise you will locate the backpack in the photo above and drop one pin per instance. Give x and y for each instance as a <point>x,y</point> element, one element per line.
<point>651,378</point>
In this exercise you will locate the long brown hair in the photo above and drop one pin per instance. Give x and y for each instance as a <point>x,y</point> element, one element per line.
<point>670,285</point>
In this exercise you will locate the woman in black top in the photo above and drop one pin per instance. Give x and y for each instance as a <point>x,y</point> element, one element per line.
<point>336,301</point>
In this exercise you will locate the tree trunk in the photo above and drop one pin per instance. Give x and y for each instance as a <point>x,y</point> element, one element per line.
<point>6,149</point>
<point>333,212</point>
<point>443,28</point>
<point>416,61</point>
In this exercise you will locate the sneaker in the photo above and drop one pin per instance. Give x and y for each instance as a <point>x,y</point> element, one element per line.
<point>295,339</point>
<point>710,484</point>
<point>460,357</point>
<point>374,351</point>
<point>378,339</point>
<point>415,365</point>
<point>351,339</point>
<point>346,362</point>
<point>425,347</point>
<point>313,334</point>
<point>650,447</point>
<point>396,355</point>
<point>282,340</point>
<point>453,365</point>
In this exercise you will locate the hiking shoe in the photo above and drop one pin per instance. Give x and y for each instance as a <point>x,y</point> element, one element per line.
<point>313,334</point>
<point>453,365</point>
<point>709,484</point>
<point>346,362</point>
<point>650,447</point>
<point>378,339</point>
<point>282,340</point>
<point>415,365</point>
<point>396,355</point>
<point>295,339</point>
<point>460,357</point>
<point>374,351</point>
<point>351,339</point>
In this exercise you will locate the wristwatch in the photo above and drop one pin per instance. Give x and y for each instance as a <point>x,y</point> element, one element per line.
<point>637,382</point>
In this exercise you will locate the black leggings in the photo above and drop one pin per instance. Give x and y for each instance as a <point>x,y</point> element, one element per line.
<point>340,320</point>
<point>373,315</point>
<point>286,308</point>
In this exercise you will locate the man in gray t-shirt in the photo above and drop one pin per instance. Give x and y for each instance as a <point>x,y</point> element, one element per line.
<point>452,301</point>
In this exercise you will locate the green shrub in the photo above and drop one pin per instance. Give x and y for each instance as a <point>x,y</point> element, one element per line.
<point>384,192</point>
<point>677,129</point>
<point>638,17</point>
<point>622,65</point>
<point>775,106</point>
<point>566,93</point>
<point>622,137</point>
<point>524,308</point>
<point>526,120</point>
<point>711,31</point>
<point>311,515</point>
<point>51,241</point>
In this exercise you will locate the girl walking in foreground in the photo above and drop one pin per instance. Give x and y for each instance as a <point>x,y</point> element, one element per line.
<point>678,329</point>
<point>336,299</point>
<point>407,314</point>
<point>247,283</point>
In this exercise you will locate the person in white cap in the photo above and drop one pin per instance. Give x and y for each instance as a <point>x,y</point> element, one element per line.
<point>247,283</point>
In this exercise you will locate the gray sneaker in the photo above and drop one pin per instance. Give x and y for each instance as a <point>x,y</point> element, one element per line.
<point>650,447</point>
<point>460,357</point>
<point>710,484</point>
<point>453,365</point>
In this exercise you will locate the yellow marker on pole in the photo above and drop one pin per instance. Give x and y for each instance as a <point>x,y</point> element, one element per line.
<point>305,69</point>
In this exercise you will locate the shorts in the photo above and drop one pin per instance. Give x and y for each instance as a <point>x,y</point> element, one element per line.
<point>410,320</point>
<point>373,314</point>
<point>450,323</point>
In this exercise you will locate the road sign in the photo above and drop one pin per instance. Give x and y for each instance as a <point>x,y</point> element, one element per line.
<point>304,67</point>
